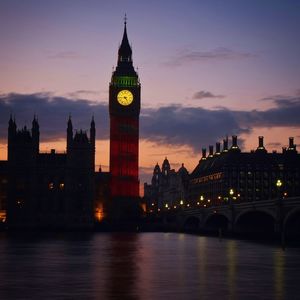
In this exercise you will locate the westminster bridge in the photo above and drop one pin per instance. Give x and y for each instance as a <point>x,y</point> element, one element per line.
<point>276,217</point>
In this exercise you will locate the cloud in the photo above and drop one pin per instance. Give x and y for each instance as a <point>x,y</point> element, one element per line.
<point>205,94</point>
<point>172,125</point>
<point>191,126</point>
<point>217,54</point>
<point>52,113</point>
<point>65,55</point>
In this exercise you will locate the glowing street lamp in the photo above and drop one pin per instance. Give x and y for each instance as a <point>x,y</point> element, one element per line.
<point>231,192</point>
<point>278,183</point>
<point>201,198</point>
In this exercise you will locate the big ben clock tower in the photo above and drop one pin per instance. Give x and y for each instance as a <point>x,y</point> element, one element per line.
<point>124,111</point>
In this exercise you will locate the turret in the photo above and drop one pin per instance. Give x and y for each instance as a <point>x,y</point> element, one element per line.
<point>12,131</point>
<point>93,140</point>
<point>124,65</point>
<point>93,133</point>
<point>69,134</point>
<point>125,52</point>
<point>156,175</point>
<point>166,167</point>
<point>35,132</point>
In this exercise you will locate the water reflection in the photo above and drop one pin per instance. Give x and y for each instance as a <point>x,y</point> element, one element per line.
<point>231,252</point>
<point>279,261</point>
<point>123,267</point>
<point>144,266</point>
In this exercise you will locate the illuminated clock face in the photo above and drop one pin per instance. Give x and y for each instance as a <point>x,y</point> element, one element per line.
<point>125,97</point>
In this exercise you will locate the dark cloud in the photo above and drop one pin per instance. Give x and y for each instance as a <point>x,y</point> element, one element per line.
<point>173,125</point>
<point>218,54</point>
<point>285,113</point>
<point>205,94</point>
<point>52,113</point>
<point>191,126</point>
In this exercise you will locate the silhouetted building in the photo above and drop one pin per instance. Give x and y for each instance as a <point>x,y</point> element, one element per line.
<point>168,188</point>
<point>50,189</point>
<point>54,190</point>
<point>232,175</point>
<point>3,190</point>
<point>226,175</point>
<point>124,111</point>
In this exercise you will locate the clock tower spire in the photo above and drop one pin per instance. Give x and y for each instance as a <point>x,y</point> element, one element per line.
<point>124,111</point>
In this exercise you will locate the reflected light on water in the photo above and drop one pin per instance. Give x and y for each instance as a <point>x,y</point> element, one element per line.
<point>144,266</point>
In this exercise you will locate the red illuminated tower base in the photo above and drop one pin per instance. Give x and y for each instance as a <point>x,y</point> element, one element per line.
<point>124,111</point>
<point>124,148</point>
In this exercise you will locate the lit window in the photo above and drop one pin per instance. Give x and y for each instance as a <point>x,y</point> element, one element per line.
<point>51,186</point>
<point>61,186</point>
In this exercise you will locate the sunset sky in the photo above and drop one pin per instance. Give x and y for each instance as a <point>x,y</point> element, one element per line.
<point>208,69</point>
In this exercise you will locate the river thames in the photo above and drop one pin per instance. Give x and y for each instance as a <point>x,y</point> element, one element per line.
<point>144,266</point>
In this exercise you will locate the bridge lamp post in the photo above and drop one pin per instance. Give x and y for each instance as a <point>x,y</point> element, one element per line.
<point>231,193</point>
<point>201,199</point>
<point>279,184</point>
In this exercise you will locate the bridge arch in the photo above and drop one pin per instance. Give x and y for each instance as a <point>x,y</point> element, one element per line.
<point>258,222</point>
<point>216,221</point>
<point>269,212</point>
<point>292,224</point>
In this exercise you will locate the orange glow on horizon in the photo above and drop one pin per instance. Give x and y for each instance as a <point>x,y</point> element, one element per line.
<point>151,153</point>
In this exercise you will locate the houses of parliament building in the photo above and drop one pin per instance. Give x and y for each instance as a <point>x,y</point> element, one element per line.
<point>226,175</point>
<point>62,190</point>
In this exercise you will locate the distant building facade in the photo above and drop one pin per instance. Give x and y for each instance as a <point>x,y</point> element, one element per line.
<point>51,190</point>
<point>227,175</point>
<point>168,188</point>
<point>232,175</point>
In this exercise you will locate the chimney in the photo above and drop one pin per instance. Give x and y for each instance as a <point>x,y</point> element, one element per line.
<point>261,142</point>
<point>211,151</point>
<point>218,148</point>
<point>261,147</point>
<point>225,145</point>
<point>203,154</point>
<point>234,142</point>
<point>291,143</point>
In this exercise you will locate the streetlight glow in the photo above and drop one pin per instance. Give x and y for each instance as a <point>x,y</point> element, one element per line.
<point>279,183</point>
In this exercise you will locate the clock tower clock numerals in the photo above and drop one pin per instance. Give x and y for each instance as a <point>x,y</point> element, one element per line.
<point>125,97</point>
